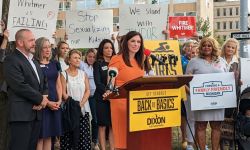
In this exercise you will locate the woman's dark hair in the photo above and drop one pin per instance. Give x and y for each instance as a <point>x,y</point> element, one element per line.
<point>147,65</point>
<point>99,54</point>
<point>125,51</point>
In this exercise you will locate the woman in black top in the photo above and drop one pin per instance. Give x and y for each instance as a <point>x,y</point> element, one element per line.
<point>105,52</point>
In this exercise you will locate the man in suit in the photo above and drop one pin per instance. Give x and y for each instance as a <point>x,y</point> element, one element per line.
<point>26,92</point>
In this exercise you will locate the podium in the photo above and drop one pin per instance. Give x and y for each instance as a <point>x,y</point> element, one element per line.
<point>145,132</point>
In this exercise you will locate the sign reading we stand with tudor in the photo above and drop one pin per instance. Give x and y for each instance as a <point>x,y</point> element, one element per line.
<point>182,26</point>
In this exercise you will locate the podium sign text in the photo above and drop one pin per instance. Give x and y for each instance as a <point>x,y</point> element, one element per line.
<point>154,109</point>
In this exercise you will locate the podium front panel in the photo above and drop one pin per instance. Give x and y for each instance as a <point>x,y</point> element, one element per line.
<point>154,109</point>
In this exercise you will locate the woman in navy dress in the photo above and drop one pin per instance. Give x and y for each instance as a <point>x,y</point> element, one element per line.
<point>51,121</point>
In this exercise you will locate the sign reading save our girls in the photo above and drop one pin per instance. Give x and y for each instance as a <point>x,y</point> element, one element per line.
<point>39,16</point>
<point>213,91</point>
<point>182,26</point>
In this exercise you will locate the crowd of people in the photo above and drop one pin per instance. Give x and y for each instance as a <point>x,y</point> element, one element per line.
<point>43,82</point>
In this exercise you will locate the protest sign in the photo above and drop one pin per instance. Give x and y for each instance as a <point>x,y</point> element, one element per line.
<point>182,26</point>
<point>38,16</point>
<point>213,91</point>
<point>169,52</point>
<point>149,20</point>
<point>86,29</point>
<point>245,78</point>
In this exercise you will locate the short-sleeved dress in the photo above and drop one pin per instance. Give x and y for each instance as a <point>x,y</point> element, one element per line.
<point>119,107</point>
<point>201,66</point>
<point>51,121</point>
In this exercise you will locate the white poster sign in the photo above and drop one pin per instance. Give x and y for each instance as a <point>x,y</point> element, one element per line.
<point>86,29</point>
<point>39,16</point>
<point>149,20</point>
<point>213,91</point>
<point>245,69</point>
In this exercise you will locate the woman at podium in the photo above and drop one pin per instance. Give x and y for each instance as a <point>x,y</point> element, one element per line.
<point>129,63</point>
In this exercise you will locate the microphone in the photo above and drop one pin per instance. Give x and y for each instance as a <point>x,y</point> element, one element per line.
<point>147,52</point>
<point>112,73</point>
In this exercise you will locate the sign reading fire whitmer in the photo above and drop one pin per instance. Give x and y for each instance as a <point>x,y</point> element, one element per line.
<point>213,91</point>
<point>154,109</point>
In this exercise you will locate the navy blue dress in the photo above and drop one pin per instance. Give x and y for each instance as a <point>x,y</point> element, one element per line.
<point>51,120</point>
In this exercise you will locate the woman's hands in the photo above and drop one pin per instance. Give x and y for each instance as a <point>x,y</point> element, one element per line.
<point>106,94</point>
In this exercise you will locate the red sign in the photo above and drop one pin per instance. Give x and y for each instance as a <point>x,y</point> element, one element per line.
<point>182,26</point>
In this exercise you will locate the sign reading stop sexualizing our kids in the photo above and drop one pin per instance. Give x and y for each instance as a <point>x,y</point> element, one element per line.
<point>182,26</point>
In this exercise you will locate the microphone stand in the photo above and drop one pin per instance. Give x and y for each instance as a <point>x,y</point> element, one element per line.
<point>111,88</point>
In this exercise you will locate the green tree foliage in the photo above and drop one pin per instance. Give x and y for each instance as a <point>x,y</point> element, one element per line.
<point>203,25</point>
<point>98,2</point>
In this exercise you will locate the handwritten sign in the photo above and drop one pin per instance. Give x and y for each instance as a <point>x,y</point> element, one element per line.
<point>245,63</point>
<point>154,109</point>
<point>213,91</point>
<point>38,16</point>
<point>147,19</point>
<point>183,26</point>
<point>88,28</point>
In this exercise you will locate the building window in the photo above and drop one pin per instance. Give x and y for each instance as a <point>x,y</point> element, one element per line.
<point>224,25</point>
<point>190,13</point>
<point>218,25</point>
<point>61,6</point>
<point>218,12</point>
<point>224,11</point>
<point>59,24</point>
<point>230,25</point>
<point>179,14</point>
<point>237,11</point>
<point>67,5</point>
<point>230,11</point>
<point>237,24</point>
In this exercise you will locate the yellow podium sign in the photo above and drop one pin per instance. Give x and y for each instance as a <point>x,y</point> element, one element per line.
<point>154,109</point>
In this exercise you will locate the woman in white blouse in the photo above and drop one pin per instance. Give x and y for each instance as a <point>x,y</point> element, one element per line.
<point>75,84</point>
<point>229,53</point>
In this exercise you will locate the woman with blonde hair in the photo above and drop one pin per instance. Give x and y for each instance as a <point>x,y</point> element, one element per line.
<point>75,87</point>
<point>207,62</point>
<point>229,53</point>
<point>87,67</point>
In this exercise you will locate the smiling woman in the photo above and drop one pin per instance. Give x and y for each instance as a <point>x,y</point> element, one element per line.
<point>129,62</point>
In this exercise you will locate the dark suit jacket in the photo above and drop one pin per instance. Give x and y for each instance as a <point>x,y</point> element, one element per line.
<point>24,89</point>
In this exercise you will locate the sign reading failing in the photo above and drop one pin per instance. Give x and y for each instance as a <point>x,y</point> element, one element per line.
<point>38,16</point>
<point>149,107</point>
<point>213,91</point>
